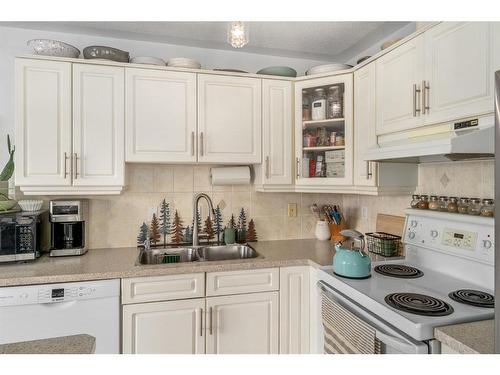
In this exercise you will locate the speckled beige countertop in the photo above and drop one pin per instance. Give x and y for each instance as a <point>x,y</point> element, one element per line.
<point>75,344</point>
<point>121,262</point>
<point>468,338</point>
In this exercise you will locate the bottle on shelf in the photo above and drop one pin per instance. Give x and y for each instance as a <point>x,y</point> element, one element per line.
<point>318,110</point>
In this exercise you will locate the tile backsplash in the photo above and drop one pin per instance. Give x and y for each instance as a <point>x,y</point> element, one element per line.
<point>114,220</point>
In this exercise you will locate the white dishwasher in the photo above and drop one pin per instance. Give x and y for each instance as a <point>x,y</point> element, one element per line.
<point>52,310</point>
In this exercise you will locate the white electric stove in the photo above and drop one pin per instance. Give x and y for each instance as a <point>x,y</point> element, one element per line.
<point>445,253</point>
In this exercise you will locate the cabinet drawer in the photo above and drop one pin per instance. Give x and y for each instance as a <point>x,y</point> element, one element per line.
<point>162,288</point>
<point>235,282</point>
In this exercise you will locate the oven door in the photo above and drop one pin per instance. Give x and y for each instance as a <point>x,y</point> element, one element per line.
<point>392,341</point>
<point>7,239</point>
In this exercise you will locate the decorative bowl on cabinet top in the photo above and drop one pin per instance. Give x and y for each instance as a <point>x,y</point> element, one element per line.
<point>49,47</point>
<point>106,53</point>
<point>284,71</point>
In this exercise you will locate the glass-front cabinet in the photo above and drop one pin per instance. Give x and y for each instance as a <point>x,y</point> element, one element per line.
<point>324,131</point>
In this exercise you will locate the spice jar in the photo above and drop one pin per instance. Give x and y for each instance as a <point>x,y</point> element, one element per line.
<point>434,203</point>
<point>334,102</point>
<point>488,208</point>
<point>339,140</point>
<point>318,111</point>
<point>443,203</point>
<point>415,198</point>
<point>453,204</point>
<point>423,203</point>
<point>463,205</point>
<point>474,206</point>
<point>306,106</point>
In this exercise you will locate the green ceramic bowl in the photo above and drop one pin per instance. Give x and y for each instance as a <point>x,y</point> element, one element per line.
<point>7,205</point>
<point>284,71</point>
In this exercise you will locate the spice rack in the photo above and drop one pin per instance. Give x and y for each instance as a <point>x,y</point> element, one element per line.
<point>324,131</point>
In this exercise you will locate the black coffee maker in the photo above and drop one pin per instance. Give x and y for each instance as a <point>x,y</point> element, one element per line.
<point>68,227</point>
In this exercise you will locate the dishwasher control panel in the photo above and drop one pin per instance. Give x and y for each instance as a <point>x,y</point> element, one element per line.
<point>65,294</point>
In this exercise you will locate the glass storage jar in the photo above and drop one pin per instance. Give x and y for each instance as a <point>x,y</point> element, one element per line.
<point>433,203</point>
<point>474,206</point>
<point>443,203</point>
<point>415,198</point>
<point>453,204</point>
<point>334,102</point>
<point>306,106</point>
<point>463,205</point>
<point>488,208</point>
<point>318,105</point>
<point>423,204</point>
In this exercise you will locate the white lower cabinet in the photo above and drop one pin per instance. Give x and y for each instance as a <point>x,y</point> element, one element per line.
<point>294,310</point>
<point>173,327</point>
<point>243,324</point>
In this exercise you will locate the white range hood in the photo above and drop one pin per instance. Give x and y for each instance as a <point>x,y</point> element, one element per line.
<point>447,142</point>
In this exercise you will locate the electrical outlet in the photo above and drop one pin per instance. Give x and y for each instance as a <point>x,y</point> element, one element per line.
<point>292,209</point>
<point>364,213</point>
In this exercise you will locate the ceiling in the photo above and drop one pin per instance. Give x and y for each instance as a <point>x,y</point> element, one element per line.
<point>310,40</point>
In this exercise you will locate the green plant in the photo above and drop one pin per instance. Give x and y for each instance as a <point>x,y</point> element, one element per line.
<point>8,170</point>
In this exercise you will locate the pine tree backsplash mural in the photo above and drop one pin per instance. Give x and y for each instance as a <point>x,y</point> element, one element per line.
<point>165,221</point>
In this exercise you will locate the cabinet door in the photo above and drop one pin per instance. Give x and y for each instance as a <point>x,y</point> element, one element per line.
<point>98,125</point>
<point>294,310</point>
<point>43,122</point>
<point>364,124</point>
<point>229,119</point>
<point>174,327</point>
<point>243,324</point>
<point>399,76</point>
<point>458,71</point>
<point>160,116</point>
<point>277,132</point>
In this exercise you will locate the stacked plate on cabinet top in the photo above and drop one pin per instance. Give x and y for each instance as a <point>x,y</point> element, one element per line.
<point>182,62</point>
<point>148,60</point>
<point>327,68</point>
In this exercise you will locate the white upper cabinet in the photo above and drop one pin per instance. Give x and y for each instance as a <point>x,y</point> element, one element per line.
<point>458,71</point>
<point>364,124</point>
<point>43,123</point>
<point>399,78</point>
<point>98,125</point>
<point>229,119</point>
<point>160,116</point>
<point>277,129</point>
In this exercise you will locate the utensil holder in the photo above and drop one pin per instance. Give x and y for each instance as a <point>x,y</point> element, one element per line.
<point>335,231</point>
<point>322,231</point>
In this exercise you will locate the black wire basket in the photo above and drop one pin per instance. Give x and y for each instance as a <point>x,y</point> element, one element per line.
<point>385,244</point>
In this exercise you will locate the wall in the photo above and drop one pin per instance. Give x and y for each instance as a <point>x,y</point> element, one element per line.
<point>13,43</point>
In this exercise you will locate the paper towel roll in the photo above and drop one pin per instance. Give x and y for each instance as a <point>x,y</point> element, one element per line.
<point>230,176</point>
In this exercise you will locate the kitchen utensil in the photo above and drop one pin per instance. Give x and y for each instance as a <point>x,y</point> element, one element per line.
<point>49,47</point>
<point>283,71</point>
<point>352,263</point>
<point>326,68</point>
<point>182,62</point>
<point>148,60</point>
<point>30,204</point>
<point>105,53</point>
<point>315,210</point>
<point>322,231</point>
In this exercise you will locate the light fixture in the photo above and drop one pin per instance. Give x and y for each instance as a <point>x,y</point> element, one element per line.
<point>237,34</point>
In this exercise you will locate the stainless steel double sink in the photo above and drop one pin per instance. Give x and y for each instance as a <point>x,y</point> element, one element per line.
<point>196,254</point>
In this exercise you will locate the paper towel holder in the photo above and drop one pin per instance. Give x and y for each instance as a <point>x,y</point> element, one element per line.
<point>234,175</point>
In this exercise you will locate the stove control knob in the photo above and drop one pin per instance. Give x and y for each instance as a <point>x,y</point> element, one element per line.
<point>411,235</point>
<point>434,233</point>
<point>487,244</point>
<point>413,223</point>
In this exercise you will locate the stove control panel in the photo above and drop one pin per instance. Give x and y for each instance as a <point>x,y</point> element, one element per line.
<point>460,239</point>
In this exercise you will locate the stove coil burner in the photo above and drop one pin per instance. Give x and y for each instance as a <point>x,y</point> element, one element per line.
<point>419,304</point>
<point>473,297</point>
<point>399,270</point>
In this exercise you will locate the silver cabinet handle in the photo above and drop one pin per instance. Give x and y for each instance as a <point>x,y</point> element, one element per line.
<point>65,165</point>
<point>425,97</point>
<point>416,94</point>
<point>201,322</point>
<point>76,165</point>
<point>267,166</point>
<point>210,319</point>
<point>192,143</point>
<point>298,168</point>
<point>201,144</point>
<point>368,170</point>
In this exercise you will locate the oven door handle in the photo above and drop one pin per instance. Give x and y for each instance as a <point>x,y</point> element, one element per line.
<point>401,344</point>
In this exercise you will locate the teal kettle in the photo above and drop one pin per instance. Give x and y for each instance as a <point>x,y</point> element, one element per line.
<point>352,263</point>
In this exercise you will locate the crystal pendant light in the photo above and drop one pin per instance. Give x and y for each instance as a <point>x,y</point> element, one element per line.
<point>237,34</point>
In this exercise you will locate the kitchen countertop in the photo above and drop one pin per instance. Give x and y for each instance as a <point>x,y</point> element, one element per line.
<point>115,263</point>
<point>76,344</point>
<point>468,338</point>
